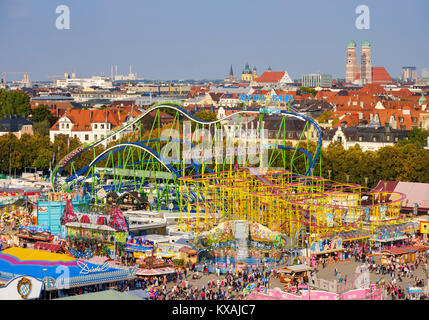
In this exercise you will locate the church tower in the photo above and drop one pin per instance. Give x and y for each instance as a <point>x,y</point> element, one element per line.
<point>254,73</point>
<point>231,74</point>
<point>246,75</point>
<point>351,66</point>
<point>365,63</point>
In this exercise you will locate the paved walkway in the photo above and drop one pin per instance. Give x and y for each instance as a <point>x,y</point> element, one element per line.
<point>345,268</point>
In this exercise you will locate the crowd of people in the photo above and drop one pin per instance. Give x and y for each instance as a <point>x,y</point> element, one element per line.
<point>227,287</point>
<point>396,271</point>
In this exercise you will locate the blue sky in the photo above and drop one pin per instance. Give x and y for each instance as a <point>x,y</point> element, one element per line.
<point>200,39</point>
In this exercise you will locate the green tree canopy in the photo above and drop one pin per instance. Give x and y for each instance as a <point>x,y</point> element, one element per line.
<point>312,91</point>
<point>14,103</point>
<point>41,113</point>
<point>205,115</point>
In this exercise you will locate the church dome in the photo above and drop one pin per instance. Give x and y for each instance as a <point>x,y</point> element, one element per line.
<point>366,43</point>
<point>351,44</point>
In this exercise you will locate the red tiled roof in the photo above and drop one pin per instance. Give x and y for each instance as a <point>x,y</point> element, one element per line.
<point>396,251</point>
<point>372,89</point>
<point>380,75</point>
<point>82,119</point>
<point>270,76</point>
<point>415,248</point>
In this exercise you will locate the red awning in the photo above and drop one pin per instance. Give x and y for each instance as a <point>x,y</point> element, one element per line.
<point>155,272</point>
<point>396,251</point>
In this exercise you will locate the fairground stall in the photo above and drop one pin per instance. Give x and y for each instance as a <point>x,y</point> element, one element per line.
<point>61,274</point>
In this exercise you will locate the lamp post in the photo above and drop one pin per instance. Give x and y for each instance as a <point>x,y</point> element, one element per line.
<point>44,283</point>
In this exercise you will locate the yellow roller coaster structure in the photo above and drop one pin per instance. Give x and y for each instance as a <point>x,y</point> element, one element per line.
<point>301,207</point>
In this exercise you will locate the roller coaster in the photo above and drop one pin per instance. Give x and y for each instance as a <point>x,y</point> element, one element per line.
<point>118,160</point>
<point>285,192</point>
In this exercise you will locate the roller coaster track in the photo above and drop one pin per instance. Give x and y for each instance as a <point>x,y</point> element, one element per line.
<point>174,106</point>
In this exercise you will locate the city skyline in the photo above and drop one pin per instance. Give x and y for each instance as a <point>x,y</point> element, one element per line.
<point>202,40</point>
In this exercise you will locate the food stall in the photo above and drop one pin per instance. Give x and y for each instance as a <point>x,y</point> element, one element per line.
<point>293,274</point>
<point>398,253</point>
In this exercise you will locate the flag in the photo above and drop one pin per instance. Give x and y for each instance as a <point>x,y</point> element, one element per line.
<point>119,115</point>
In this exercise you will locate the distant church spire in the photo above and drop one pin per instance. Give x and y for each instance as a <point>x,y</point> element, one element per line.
<point>231,74</point>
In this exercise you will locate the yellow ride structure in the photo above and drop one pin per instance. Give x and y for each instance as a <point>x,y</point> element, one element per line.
<point>301,207</point>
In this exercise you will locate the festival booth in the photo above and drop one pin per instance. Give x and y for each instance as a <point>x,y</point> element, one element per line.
<point>50,210</point>
<point>396,252</point>
<point>30,234</point>
<point>188,255</point>
<point>139,247</point>
<point>415,292</point>
<point>131,201</point>
<point>327,248</point>
<point>154,266</point>
<point>61,271</point>
<point>415,251</point>
<point>294,274</point>
<point>90,231</point>
<point>390,234</point>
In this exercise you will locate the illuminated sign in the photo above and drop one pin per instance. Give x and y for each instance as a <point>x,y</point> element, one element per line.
<point>86,269</point>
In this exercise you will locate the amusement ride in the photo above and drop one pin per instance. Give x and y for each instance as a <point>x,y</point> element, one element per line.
<point>285,192</point>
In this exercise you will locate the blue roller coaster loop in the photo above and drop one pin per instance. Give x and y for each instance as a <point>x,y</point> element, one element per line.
<point>178,108</point>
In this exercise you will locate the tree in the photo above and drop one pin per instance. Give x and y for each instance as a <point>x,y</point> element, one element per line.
<point>10,153</point>
<point>312,91</point>
<point>44,157</point>
<point>324,117</point>
<point>419,136</point>
<point>41,113</point>
<point>205,115</point>
<point>14,103</point>
<point>42,127</point>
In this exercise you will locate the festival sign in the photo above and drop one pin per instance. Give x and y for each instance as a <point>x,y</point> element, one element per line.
<point>164,250</point>
<point>21,288</point>
<point>60,270</point>
<point>139,245</point>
